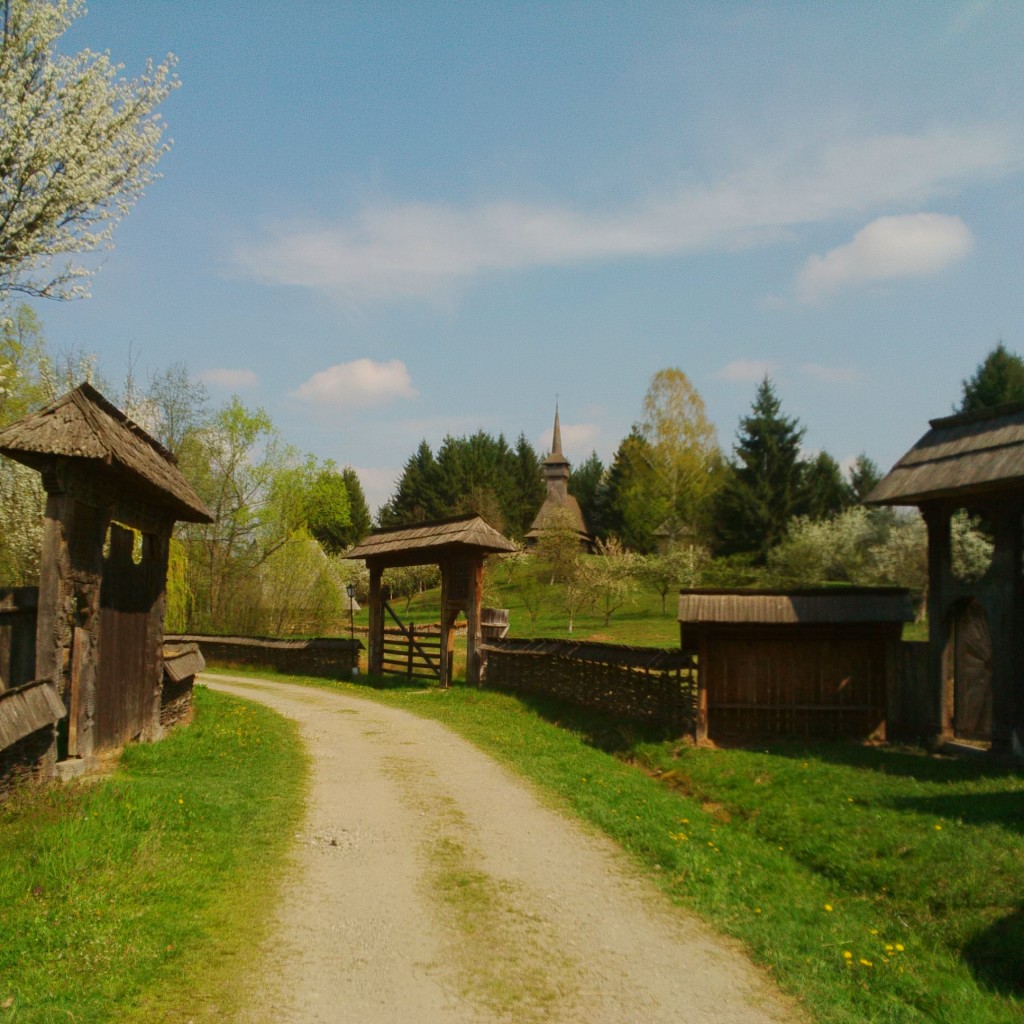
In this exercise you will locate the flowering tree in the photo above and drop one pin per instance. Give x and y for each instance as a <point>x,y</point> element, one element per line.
<point>78,146</point>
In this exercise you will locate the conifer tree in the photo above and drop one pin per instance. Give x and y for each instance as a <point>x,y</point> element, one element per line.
<point>359,511</point>
<point>765,480</point>
<point>997,380</point>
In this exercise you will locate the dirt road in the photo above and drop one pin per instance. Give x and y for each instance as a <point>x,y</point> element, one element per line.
<point>430,885</point>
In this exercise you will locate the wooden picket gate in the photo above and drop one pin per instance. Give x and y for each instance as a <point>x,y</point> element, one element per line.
<point>411,653</point>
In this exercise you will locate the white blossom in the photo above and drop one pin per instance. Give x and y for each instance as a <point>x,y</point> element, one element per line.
<point>78,146</point>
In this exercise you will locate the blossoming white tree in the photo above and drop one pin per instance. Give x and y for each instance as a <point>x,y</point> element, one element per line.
<point>78,146</point>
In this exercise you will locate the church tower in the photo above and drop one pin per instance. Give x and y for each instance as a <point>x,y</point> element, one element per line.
<point>556,476</point>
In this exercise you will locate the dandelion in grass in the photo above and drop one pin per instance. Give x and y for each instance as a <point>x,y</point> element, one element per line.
<point>847,955</point>
<point>866,963</point>
<point>899,947</point>
<point>828,908</point>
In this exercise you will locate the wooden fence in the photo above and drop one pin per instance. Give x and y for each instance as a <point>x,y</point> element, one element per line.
<point>636,683</point>
<point>328,657</point>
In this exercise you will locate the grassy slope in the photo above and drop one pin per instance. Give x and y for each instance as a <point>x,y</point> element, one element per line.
<point>805,855</point>
<point>139,897</point>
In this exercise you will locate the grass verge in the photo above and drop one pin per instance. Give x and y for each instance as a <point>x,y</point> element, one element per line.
<point>874,884</point>
<point>143,896</point>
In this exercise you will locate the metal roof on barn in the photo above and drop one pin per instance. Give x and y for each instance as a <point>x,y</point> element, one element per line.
<point>83,425</point>
<point>977,454</point>
<point>427,542</point>
<point>818,606</point>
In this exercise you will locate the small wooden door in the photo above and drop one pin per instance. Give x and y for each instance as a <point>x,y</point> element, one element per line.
<point>972,674</point>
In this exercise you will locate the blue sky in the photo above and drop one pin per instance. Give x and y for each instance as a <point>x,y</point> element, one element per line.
<point>391,221</point>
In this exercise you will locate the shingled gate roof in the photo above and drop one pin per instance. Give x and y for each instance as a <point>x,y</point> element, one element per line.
<point>83,425</point>
<point>790,607</point>
<point>963,456</point>
<point>424,543</point>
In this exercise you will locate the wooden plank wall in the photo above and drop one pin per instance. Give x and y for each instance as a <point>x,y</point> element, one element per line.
<point>829,685</point>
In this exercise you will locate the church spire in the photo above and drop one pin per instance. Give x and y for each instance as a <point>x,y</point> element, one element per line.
<point>556,435</point>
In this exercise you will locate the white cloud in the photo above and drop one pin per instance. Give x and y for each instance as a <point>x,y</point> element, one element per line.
<point>747,370</point>
<point>359,383</point>
<point>912,245</point>
<point>422,249</point>
<point>831,374</point>
<point>232,380</point>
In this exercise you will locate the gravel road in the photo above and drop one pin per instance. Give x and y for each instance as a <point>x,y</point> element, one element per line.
<point>431,885</point>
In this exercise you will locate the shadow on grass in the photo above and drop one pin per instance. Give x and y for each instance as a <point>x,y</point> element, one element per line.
<point>600,731</point>
<point>995,955</point>
<point>913,764</point>
<point>1004,808</point>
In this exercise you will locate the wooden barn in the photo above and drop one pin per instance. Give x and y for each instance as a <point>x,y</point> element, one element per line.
<point>113,496</point>
<point>807,664</point>
<point>974,462</point>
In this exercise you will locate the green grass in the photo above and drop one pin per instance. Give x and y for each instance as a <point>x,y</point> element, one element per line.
<point>802,854</point>
<point>143,896</point>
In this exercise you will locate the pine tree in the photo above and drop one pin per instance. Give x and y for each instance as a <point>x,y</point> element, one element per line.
<point>586,485</point>
<point>632,514</point>
<point>864,476</point>
<point>826,493</point>
<point>415,499</point>
<point>359,511</point>
<point>997,380</point>
<point>764,482</point>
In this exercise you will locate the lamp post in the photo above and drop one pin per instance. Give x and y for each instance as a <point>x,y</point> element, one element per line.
<point>351,591</point>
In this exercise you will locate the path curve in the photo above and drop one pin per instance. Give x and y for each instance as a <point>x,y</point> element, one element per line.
<point>431,886</point>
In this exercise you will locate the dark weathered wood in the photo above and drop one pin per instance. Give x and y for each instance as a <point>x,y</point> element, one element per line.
<point>18,612</point>
<point>765,678</point>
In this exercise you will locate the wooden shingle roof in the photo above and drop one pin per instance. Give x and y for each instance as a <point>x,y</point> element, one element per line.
<point>423,543</point>
<point>963,456</point>
<point>24,709</point>
<point>791,607</point>
<point>83,425</point>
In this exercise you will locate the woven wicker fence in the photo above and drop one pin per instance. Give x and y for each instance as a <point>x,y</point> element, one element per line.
<point>329,657</point>
<point>635,683</point>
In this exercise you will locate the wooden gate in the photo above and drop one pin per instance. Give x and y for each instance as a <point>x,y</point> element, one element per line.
<point>127,675</point>
<point>972,674</point>
<point>411,653</point>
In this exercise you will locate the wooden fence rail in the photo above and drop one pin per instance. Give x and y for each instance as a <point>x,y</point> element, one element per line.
<point>640,684</point>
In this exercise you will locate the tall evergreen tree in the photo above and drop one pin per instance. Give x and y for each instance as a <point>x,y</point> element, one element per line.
<point>764,483</point>
<point>630,514</point>
<point>415,499</point>
<point>586,485</point>
<point>864,475</point>
<point>529,487</point>
<point>359,511</point>
<point>998,379</point>
<point>826,493</point>
<point>479,473</point>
